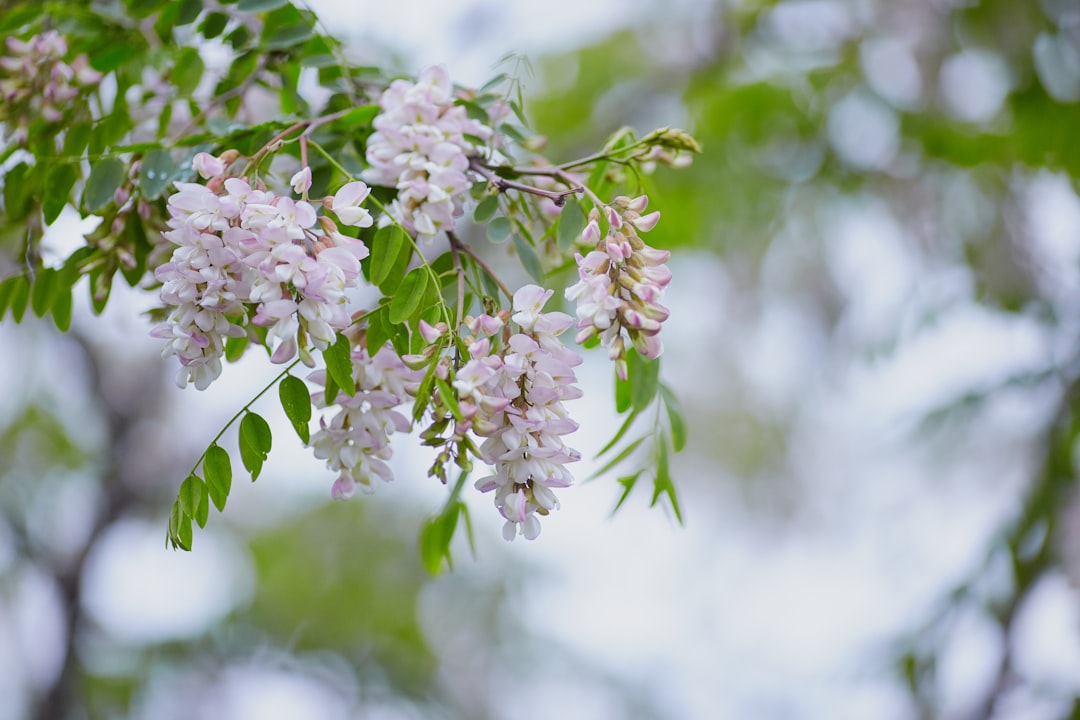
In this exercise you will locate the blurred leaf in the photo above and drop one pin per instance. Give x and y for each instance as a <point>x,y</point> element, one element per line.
<point>106,175</point>
<point>156,172</point>
<point>571,223</point>
<point>485,209</point>
<point>498,229</point>
<point>60,180</point>
<point>675,417</point>
<point>529,258</point>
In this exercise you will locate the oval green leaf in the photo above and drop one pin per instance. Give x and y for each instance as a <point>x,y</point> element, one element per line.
<point>409,295</point>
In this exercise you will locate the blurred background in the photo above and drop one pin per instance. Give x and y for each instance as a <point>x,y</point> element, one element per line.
<point>874,335</point>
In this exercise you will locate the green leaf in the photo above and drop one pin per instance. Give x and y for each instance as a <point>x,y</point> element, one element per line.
<point>624,390</point>
<point>625,453</point>
<point>675,417</point>
<point>287,37</point>
<point>644,379</point>
<point>358,116</point>
<point>75,139</point>
<point>259,5</point>
<point>338,358</point>
<point>113,55</point>
<point>486,208</point>
<point>571,223</point>
<point>435,536</point>
<point>188,71</point>
<point>449,397</point>
<point>61,308</point>
<point>618,435</point>
<point>156,173</point>
<point>235,347</point>
<point>409,295</point>
<point>18,192</point>
<point>213,24</point>
<point>44,291</point>
<point>296,402</point>
<point>192,494</point>
<point>218,471</point>
<point>529,259</point>
<point>60,180</point>
<point>7,293</point>
<point>663,484</point>
<point>255,443</point>
<point>106,175</point>
<point>389,242</point>
<point>189,10</point>
<point>179,528</point>
<point>628,482</point>
<point>498,229</point>
<point>377,332</point>
<point>19,289</point>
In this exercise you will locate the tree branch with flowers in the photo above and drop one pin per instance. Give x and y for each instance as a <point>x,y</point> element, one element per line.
<point>256,232</point>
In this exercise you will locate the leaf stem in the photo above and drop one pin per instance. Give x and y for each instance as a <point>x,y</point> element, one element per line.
<point>556,196</point>
<point>240,413</point>
<point>454,242</point>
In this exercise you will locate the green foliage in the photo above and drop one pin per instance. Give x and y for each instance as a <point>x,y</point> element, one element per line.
<point>256,441</point>
<point>296,401</point>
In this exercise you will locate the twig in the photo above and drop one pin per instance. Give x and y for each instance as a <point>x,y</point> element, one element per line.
<point>460,278</point>
<point>558,197</point>
<point>455,243</point>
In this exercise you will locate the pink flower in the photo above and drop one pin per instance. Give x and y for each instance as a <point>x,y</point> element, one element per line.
<point>301,181</point>
<point>346,204</point>
<point>207,165</point>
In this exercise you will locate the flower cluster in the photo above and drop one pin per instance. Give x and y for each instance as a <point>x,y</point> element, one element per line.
<point>356,441</point>
<point>35,82</point>
<point>514,399</point>
<point>422,146</point>
<point>621,282</point>
<point>242,248</point>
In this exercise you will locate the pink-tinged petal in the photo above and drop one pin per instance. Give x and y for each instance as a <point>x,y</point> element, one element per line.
<point>301,181</point>
<point>613,217</point>
<point>285,352</point>
<point>591,234</point>
<point>645,223</point>
<point>638,204</point>
<point>207,165</point>
<point>431,333</point>
<point>350,195</point>
<point>343,488</point>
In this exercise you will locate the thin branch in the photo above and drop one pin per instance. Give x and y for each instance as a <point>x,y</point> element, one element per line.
<point>460,278</point>
<point>455,243</point>
<point>558,197</point>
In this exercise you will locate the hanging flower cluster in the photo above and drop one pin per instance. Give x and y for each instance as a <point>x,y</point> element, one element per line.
<point>356,441</point>
<point>35,82</point>
<point>514,399</point>
<point>621,282</point>
<point>422,146</point>
<point>241,247</point>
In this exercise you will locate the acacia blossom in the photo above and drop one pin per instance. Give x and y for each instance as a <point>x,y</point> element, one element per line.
<point>355,442</point>
<point>241,248</point>
<point>514,399</point>
<point>35,82</point>
<point>421,147</point>
<point>621,282</point>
